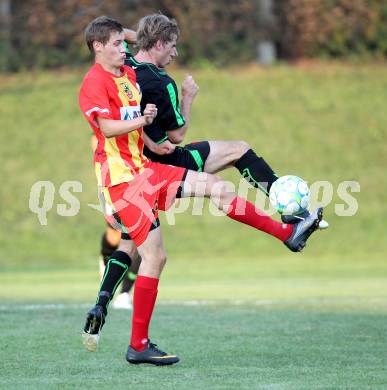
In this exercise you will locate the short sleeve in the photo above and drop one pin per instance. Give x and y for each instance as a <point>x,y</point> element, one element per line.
<point>166,99</point>
<point>94,100</point>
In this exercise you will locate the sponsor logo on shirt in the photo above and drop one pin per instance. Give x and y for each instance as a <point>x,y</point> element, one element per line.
<point>130,112</point>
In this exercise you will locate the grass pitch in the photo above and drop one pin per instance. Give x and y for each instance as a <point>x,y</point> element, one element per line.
<point>285,324</point>
<point>272,346</point>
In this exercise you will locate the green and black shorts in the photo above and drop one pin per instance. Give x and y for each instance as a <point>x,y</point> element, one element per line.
<point>191,156</point>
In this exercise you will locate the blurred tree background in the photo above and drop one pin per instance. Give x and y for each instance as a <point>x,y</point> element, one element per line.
<point>48,33</point>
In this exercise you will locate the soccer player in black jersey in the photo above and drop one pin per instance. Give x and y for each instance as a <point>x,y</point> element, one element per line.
<point>171,124</point>
<point>156,39</point>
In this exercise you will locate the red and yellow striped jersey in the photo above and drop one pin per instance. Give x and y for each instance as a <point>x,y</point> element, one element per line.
<point>116,159</point>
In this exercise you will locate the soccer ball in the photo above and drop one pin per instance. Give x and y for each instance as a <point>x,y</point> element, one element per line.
<point>289,195</point>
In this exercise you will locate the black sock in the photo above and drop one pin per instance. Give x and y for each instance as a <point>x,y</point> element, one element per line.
<point>116,269</point>
<point>106,249</point>
<point>256,171</point>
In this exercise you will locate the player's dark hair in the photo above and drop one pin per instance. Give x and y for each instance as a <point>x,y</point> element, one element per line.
<point>156,27</point>
<point>100,29</point>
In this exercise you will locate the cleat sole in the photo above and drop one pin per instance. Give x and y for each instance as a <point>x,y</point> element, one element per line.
<point>299,246</point>
<point>323,225</point>
<point>90,341</point>
<point>152,364</point>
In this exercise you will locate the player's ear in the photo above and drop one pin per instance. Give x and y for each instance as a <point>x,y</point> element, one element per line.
<point>159,45</point>
<point>97,46</point>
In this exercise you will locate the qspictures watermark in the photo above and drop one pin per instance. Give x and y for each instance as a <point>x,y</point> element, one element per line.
<point>42,198</point>
<point>45,198</point>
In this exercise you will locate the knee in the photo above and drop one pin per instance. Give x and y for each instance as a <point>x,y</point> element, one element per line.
<point>161,259</point>
<point>214,183</point>
<point>241,147</point>
<point>225,192</point>
<point>157,256</point>
<point>237,149</point>
<point>162,255</point>
<point>128,247</point>
<point>221,189</point>
<point>214,179</point>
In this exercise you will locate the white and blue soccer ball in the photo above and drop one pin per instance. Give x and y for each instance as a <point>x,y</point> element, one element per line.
<point>289,195</point>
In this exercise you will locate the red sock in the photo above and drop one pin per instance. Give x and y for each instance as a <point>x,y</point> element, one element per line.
<point>245,212</point>
<point>144,298</point>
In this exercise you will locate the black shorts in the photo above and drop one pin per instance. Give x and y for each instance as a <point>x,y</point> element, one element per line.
<point>192,156</point>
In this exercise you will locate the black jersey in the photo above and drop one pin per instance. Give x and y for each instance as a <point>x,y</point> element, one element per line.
<point>158,88</point>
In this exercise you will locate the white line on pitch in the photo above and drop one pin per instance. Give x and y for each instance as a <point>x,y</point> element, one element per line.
<point>236,302</point>
<point>62,306</point>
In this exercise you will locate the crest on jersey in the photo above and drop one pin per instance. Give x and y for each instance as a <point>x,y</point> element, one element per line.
<point>125,87</point>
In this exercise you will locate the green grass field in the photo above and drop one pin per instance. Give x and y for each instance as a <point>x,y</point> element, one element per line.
<point>222,347</point>
<point>239,309</point>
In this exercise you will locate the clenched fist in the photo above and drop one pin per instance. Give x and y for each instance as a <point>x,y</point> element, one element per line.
<point>165,148</point>
<point>188,87</point>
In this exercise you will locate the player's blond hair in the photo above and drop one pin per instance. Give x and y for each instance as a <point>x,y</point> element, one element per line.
<point>156,27</point>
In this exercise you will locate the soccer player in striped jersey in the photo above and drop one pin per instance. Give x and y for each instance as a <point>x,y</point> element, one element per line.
<point>111,237</point>
<point>135,188</point>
